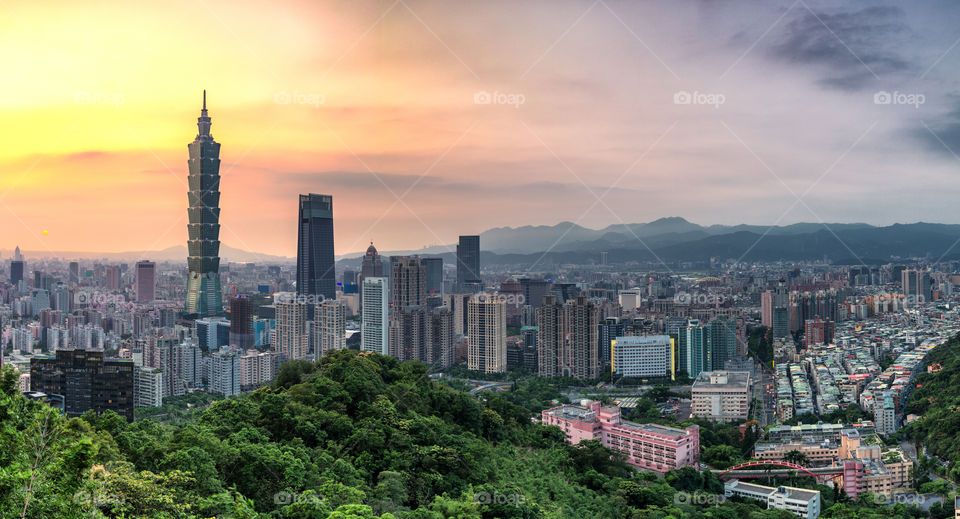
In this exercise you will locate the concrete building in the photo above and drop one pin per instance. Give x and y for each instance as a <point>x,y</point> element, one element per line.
<point>148,387</point>
<point>146,281</point>
<point>291,338</point>
<point>647,446</point>
<point>649,356</point>
<point>487,334</point>
<point>722,395</point>
<point>258,368</point>
<point>225,372</point>
<point>374,332</point>
<point>799,501</point>
<point>331,334</point>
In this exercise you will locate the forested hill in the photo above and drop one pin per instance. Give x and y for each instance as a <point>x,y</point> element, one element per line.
<point>354,436</point>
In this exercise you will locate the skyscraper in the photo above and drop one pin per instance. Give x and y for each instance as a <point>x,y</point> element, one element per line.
<point>203,242</point>
<point>74,273</point>
<point>434,268</point>
<point>16,268</point>
<point>374,332</point>
<point>723,343</point>
<point>146,281</point>
<point>316,274</point>
<point>241,322</point>
<point>468,264</point>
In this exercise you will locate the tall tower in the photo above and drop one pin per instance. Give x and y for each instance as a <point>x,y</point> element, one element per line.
<point>468,264</point>
<point>316,275</point>
<point>203,242</point>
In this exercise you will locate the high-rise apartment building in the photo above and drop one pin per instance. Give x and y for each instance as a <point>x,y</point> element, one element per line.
<point>224,374</point>
<point>146,280</point>
<point>408,282</point>
<point>331,331</point>
<point>550,337</point>
<point>148,387</point>
<point>374,335</point>
<point>203,228</point>
<point>316,272</point>
<point>487,334</point>
<point>582,352</point>
<point>291,332</point>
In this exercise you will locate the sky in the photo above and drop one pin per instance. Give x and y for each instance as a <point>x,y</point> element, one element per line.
<point>426,120</point>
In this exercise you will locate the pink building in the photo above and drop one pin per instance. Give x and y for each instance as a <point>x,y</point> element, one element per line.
<point>647,446</point>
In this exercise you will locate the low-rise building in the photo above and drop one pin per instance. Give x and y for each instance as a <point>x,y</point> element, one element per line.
<point>648,446</point>
<point>799,501</point>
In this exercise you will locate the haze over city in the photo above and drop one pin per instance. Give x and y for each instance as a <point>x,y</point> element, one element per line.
<point>375,103</point>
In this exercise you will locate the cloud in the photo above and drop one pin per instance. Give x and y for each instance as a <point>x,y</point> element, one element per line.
<point>854,49</point>
<point>942,135</point>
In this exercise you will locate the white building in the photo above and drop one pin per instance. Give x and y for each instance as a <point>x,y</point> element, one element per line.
<point>331,332</point>
<point>374,335</point>
<point>147,387</point>
<point>800,501</point>
<point>225,372</point>
<point>649,356</point>
<point>257,368</point>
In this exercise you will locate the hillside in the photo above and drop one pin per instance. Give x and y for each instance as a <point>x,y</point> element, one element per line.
<point>354,436</point>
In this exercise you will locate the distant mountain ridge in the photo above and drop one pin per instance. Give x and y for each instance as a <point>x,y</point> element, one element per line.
<point>675,239</point>
<point>170,254</point>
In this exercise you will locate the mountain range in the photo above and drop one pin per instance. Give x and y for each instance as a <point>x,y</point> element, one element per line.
<point>667,240</point>
<point>675,239</point>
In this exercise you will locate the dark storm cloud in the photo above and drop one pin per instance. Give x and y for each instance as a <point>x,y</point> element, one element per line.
<point>854,48</point>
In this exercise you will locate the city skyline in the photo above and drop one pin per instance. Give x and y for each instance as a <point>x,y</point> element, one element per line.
<point>411,144</point>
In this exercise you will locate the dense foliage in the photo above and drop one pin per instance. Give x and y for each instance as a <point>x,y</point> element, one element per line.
<point>936,401</point>
<point>353,436</point>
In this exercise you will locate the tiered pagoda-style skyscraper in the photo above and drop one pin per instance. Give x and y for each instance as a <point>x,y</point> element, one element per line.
<point>203,243</point>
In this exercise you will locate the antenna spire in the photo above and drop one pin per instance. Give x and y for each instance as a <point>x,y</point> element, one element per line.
<point>204,98</point>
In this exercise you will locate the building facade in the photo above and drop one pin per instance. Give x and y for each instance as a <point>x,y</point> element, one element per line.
<point>647,446</point>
